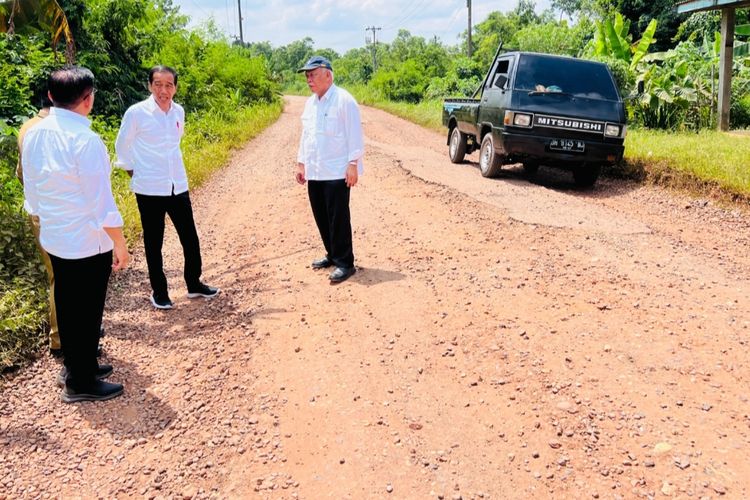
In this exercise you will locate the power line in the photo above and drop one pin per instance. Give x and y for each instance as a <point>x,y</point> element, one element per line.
<point>407,14</point>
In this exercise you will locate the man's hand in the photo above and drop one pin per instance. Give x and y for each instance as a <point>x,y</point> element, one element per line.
<point>300,175</point>
<point>120,256</point>
<point>351,175</point>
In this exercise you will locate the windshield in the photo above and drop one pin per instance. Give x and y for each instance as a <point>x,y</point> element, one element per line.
<point>575,77</point>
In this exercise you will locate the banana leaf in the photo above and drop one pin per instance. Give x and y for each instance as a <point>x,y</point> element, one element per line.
<point>38,15</point>
<point>619,49</point>
<point>645,42</point>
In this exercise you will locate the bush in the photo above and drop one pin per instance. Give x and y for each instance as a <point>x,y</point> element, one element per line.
<point>407,83</point>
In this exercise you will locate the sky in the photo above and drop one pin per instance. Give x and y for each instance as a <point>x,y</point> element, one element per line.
<point>340,24</point>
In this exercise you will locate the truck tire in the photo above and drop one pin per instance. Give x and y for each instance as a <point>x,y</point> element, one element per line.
<point>586,175</point>
<point>489,161</point>
<point>457,146</point>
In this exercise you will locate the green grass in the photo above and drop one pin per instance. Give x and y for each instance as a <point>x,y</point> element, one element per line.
<point>210,140</point>
<point>709,161</point>
<point>426,113</point>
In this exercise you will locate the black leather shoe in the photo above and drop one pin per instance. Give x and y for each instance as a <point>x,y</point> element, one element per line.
<point>341,274</point>
<point>102,372</point>
<point>321,263</point>
<point>98,391</point>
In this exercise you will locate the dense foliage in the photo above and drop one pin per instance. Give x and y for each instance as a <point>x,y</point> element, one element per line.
<point>675,56</point>
<point>118,40</point>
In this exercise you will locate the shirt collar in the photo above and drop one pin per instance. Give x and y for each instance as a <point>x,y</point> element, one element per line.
<point>70,115</point>
<point>153,106</point>
<point>328,94</point>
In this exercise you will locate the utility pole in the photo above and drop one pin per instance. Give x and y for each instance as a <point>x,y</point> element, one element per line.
<point>374,46</point>
<point>239,10</point>
<point>468,5</point>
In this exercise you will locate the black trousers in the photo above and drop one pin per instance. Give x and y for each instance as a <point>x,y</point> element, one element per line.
<point>80,292</point>
<point>153,210</point>
<point>330,206</point>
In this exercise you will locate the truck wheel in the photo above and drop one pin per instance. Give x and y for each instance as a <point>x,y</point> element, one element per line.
<point>457,147</point>
<point>489,161</point>
<point>586,175</point>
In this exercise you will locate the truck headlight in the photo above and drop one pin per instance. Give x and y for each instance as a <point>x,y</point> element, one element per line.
<point>612,130</point>
<point>521,120</point>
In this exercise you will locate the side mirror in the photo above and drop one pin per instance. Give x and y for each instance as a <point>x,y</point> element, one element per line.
<point>500,81</point>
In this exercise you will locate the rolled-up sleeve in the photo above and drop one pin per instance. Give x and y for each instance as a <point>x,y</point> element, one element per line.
<point>124,142</point>
<point>94,170</point>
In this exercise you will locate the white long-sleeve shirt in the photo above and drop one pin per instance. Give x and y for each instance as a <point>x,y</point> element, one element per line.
<point>149,144</point>
<point>67,184</point>
<point>331,135</point>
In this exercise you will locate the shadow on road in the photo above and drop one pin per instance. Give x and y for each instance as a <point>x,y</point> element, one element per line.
<point>562,181</point>
<point>371,277</point>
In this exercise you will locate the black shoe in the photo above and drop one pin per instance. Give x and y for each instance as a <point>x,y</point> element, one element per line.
<point>202,290</point>
<point>341,274</point>
<point>321,263</point>
<point>161,301</point>
<point>56,353</point>
<point>98,391</point>
<point>102,372</point>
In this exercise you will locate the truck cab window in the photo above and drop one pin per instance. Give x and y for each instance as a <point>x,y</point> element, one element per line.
<point>500,76</point>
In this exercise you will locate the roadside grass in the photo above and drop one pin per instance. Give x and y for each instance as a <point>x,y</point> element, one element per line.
<point>210,138</point>
<point>427,113</point>
<point>709,163</point>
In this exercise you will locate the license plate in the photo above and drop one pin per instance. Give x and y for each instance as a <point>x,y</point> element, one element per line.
<point>570,145</point>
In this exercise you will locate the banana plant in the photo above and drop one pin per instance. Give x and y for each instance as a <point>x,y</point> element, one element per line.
<point>742,49</point>
<point>38,15</point>
<point>612,39</point>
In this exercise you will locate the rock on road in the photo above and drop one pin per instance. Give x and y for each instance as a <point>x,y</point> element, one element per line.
<point>501,339</point>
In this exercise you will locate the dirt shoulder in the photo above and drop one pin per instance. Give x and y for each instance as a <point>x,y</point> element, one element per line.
<point>501,339</point>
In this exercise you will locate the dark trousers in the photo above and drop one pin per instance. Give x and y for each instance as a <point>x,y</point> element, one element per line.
<point>153,210</point>
<point>80,292</point>
<point>330,206</point>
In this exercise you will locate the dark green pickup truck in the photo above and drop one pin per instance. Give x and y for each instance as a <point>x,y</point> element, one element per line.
<point>540,109</point>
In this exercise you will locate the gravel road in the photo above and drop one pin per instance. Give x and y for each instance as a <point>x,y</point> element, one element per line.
<point>501,339</point>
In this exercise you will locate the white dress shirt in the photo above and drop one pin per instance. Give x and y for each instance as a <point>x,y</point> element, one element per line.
<point>331,135</point>
<point>149,144</point>
<point>66,174</point>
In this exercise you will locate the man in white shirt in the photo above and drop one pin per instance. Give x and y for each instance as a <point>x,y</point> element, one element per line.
<point>148,148</point>
<point>67,185</point>
<point>330,161</point>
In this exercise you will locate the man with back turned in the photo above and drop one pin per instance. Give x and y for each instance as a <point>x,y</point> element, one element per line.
<point>67,185</point>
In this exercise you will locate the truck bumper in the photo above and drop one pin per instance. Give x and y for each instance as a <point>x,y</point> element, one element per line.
<point>516,147</point>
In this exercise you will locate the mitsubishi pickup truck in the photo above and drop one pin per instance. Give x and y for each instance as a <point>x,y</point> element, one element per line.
<point>539,109</point>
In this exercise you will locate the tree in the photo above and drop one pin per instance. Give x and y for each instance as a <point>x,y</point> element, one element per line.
<point>642,12</point>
